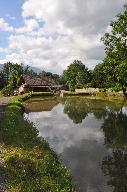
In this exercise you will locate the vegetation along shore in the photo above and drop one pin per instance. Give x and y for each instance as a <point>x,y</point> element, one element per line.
<point>28,162</point>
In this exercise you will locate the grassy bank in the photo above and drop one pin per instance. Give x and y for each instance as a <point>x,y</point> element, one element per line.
<point>30,164</point>
<point>72,93</point>
<point>27,96</point>
<point>100,95</point>
<point>1,95</point>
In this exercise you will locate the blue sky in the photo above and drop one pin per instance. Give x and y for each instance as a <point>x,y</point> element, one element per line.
<point>10,9</point>
<point>11,12</point>
<point>50,34</point>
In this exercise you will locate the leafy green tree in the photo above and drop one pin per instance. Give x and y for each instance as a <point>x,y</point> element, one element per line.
<point>77,75</point>
<point>46,74</point>
<point>116,49</point>
<point>121,73</point>
<point>98,76</point>
<point>28,71</point>
<point>2,80</point>
<point>10,75</point>
<point>57,78</point>
<point>11,72</point>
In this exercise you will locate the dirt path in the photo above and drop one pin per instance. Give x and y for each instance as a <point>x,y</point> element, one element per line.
<point>4,100</point>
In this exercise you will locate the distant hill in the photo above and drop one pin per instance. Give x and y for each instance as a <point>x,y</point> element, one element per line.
<point>35,69</point>
<point>1,66</point>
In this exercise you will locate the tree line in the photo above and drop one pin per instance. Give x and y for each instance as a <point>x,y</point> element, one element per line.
<point>110,74</point>
<point>10,76</point>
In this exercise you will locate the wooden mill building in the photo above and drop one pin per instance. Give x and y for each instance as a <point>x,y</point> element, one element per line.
<point>38,84</point>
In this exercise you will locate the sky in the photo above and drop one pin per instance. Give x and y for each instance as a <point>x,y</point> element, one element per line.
<point>51,34</point>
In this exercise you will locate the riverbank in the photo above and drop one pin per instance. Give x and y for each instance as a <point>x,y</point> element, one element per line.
<point>99,95</point>
<point>29,163</point>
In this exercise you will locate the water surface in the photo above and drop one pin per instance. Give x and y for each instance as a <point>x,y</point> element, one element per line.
<point>91,138</point>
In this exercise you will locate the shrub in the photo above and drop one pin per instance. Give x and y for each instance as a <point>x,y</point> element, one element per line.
<point>6,91</point>
<point>1,95</point>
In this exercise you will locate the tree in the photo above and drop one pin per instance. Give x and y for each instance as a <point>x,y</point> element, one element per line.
<point>57,78</point>
<point>12,72</point>
<point>2,80</point>
<point>10,75</point>
<point>98,76</point>
<point>77,75</point>
<point>121,73</point>
<point>28,71</point>
<point>116,49</point>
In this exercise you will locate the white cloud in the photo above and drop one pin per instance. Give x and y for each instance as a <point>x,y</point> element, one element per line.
<point>84,17</point>
<point>30,25</point>
<point>51,54</point>
<point>56,32</point>
<point>4,26</point>
<point>66,133</point>
<point>3,50</point>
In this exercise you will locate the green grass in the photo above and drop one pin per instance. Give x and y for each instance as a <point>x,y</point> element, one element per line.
<point>30,164</point>
<point>21,98</point>
<point>72,93</point>
<point>1,95</point>
<point>105,95</point>
<point>38,98</point>
<point>114,95</point>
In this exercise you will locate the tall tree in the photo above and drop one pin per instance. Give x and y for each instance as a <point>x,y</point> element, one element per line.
<point>77,75</point>
<point>2,80</point>
<point>57,78</point>
<point>116,49</point>
<point>10,75</point>
<point>98,76</point>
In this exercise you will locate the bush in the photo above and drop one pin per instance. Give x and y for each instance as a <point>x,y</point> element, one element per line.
<point>6,91</point>
<point>117,88</point>
<point>1,95</point>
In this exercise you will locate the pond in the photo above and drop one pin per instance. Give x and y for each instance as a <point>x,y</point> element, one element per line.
<point>90,136</point>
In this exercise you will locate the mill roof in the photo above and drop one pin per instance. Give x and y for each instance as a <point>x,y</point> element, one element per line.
<point>38,81</point>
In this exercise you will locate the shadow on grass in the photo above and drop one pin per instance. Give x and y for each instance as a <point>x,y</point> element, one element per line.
<point>2,178</point>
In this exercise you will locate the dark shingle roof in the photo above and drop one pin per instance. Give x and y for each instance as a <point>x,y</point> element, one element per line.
<point>38,81</point>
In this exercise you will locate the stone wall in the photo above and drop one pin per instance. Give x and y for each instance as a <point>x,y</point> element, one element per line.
<point>87,90</point>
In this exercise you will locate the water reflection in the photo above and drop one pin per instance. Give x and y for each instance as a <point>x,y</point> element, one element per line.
<point>91,137</point>
<point>42,105</point>
<point>115,129</point>
<point>77,110</point>
<point>115,164</point>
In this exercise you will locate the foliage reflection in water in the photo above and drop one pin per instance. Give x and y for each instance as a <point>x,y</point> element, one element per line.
<point>91,138</point>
